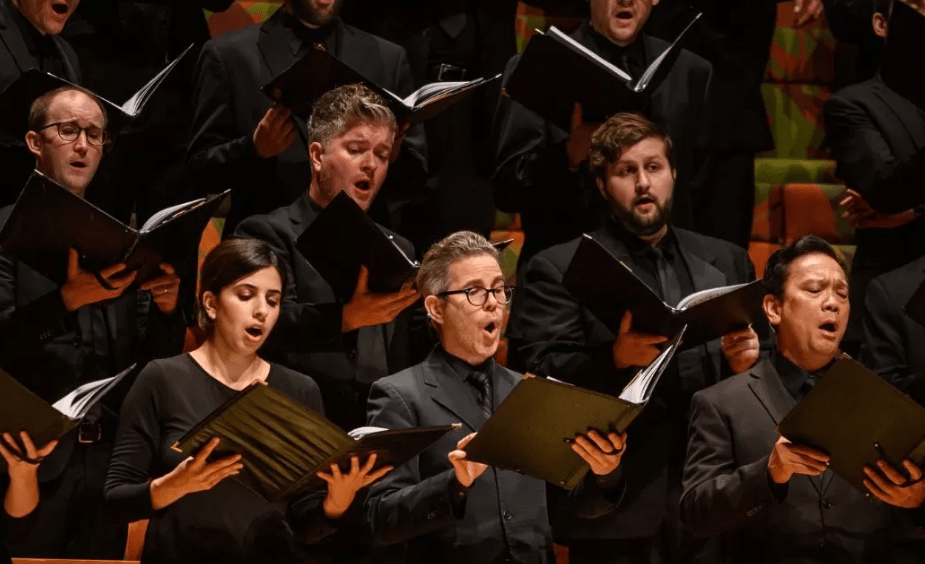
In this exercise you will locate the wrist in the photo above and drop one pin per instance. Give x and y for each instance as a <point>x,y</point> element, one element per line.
<point>333,509</point>
<point>162,493</point>
<point>71,303</point>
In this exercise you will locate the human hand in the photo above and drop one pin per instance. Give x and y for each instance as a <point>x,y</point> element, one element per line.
<point>195,474</point>
<point>22,465</point>
<point>889,486</point>
<point>788,459</point>
<point>603,454</point>
<point>861,215</point>
<point>84,287</point>
<point>275,132</point>
<point>369,308</point>
<point>741,349</point>
<point>634,349</point>
<point>578,144</point>
<point>164,289</point>
<point>343,488</point>
<point>805,11</point>
<point>465,470</point>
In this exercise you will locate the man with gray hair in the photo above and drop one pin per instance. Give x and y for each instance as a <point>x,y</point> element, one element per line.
<point>441,503</point>
<point>344,346</point>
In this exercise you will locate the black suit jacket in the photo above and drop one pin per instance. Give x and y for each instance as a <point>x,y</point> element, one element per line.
<point>556,204</point>
<point>308,337</point>
<point>892,340</point>
<point>550,333</point>
<point>229,105</point>
<point>412,504</point>
<point>15,159</point>
<point>735,37</point>
<point>41,345</point>
<point>878,141</point>
<point>727,489</point>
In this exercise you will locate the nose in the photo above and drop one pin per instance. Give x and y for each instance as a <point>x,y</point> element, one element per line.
<point>643,182</point>
<point>81,144</point>
<point>832,301</point>
<point>262,309</point>
<point>369,163</point>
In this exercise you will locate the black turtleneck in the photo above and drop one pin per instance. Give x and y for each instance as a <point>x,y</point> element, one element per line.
<point>631,58</point>
<point>797,380</point>
<point>302,37</point>
<point>644,258</point>
<point>40,45</point>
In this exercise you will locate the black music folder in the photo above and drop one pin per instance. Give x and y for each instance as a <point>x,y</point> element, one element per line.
<point>283,444</point>
<point>18,97</point>
<point>24,411</point>
<point>318,71</point>
<point>342,238</point>
<point>555,72</point>
<point>48,220</point>
<point>905,44</point>
<point>607,287</point>
<point>528,433</point>
<point>857,418</point>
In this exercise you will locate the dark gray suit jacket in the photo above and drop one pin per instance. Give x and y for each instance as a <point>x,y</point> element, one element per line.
<point>412,504</point>
<point>727,489</point>
<point>229,105</point>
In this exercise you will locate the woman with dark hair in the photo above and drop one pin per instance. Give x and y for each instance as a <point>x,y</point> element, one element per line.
<point>21,483</point>
<point>196,515</point>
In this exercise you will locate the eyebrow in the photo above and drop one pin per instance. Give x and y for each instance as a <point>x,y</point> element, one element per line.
<point>475,282</point>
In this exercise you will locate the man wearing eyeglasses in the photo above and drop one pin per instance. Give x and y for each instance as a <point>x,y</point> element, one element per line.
<point>54,339</point>
<point>30,39</point>
<point>441,504</point>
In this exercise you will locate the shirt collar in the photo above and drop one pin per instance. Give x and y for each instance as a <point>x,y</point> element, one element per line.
<point>636,247</point>
<point>462,368</point>
<point>302,36</point>
<point>635,51</point>
<point>793,376</point>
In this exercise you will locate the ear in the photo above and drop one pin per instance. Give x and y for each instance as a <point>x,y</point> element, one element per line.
<point>34,143</point>
<point>209,304</point>
<point>434,307</point>
<point>772,309</point>
<point>600,186</point>
<point>315,153</point>
<point>655,2</point>
<point>880,25</point>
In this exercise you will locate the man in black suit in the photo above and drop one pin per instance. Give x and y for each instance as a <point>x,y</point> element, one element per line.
<point>877,138</point>
<point>259,150</point>
<point>440,504</point>
<point>449,41</point>
<point>54,339</point>
<point>551,333</point>
<point>345,347</point>
<point>29,40</point>
<point>770,500</point>
<point>540,171</point>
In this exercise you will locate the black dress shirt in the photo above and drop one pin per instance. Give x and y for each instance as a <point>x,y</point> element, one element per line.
<point>797,380</point>
<point>630,58</point>
<point>302,38</point>
<point>39,44</point>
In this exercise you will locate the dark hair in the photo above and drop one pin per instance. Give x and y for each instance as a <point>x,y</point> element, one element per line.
<point>884,7</point>
<point>232,260</point>
<point>38,111</point>
<point>619,133</point>
<point>778,266</point>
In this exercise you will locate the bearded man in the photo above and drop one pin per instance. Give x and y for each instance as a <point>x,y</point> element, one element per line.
<point>242,141</point>
<point>553,334</point>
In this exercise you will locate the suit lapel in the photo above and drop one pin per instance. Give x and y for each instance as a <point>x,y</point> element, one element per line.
<point>70,73</point>
<point>277,54</point>
<point>906,113</point>
<point>766,385</point>
<point>703,271</point>
<point>15,42</point>
<point>504,382</point>
<point>448,390</point>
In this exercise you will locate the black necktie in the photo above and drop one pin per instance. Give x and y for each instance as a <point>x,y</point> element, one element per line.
<point>667,278</point>
<point>481,381</point>
<point>808,385</point>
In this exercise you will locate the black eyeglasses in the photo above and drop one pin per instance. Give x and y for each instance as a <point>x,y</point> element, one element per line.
<point>478,296</point>
<point>70,131</point>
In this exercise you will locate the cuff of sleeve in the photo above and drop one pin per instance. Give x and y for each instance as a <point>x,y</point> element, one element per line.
<point>760,491</point>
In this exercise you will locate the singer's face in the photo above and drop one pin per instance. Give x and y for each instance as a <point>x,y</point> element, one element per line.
<point>355,161</point>
<point>69,163</point>
<point>246,311</point>
<point>48,16</point>
<point>621,21</point>
<point>316,12</point>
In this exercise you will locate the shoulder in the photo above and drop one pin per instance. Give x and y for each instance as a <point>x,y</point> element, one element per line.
<point>234,41</point>
<point>166,373</point>
<point>707,247</point>
<point>557,257</point>
<point>401,383</point>
<point>856,93</point>
<point>687,61</point>
<point>724,393</point>
<point>362,39</point>
<point>270,226</point>
<point>295,383</point>
<point>897,286</point>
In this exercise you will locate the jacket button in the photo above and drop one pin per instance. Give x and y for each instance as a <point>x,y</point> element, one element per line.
<point>431,515</point>
<point>352,355</point>
<point>826,504</point>
<point>507,515</point>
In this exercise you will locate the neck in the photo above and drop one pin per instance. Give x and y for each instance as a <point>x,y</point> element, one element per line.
<point>809,363</point>
<point>656,237</point>
<point>291,11</point>
<point>612,40</point>
<point>467,357</point>
<point>233,369</point>
<point>316,195</point>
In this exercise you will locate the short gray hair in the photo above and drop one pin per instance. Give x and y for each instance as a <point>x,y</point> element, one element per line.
<point>340,109</point>
<point>435,268</point>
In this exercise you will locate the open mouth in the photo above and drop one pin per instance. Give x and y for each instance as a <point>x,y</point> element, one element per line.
<point>830,327</point>
<point>79,164</point>
<point>625,15</point>
<point>254,331</point>
<point>492,328</point>
<point>643,200</point>
<point>60,8</point>
<point>363,185</point>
